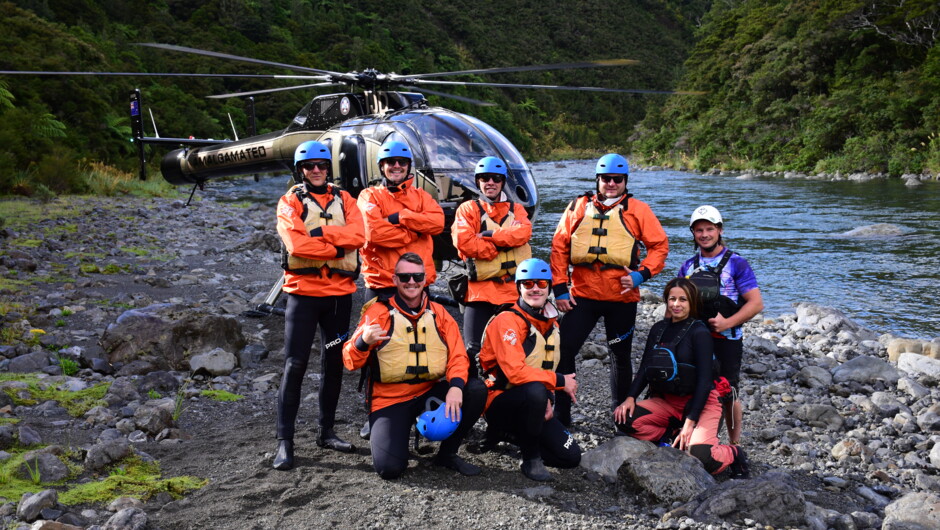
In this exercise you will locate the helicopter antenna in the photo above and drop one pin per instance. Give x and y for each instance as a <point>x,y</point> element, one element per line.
<point>156,133</point>
<point>233,126</point>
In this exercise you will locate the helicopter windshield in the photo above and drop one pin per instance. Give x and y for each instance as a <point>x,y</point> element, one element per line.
<point>509,152</point>
<point>450,143</point>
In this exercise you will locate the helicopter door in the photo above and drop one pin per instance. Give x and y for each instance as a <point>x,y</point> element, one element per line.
<point>352,164</point>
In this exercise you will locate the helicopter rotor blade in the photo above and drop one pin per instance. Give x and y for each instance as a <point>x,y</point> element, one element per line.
<point>184,49</point>
<point>270,90</point>
<point>560,87</point>
<point>451,96</point>
<point>167,74</point>
<point>534,68</point>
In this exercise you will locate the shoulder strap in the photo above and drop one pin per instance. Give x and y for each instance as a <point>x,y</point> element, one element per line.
<point>724,260</point>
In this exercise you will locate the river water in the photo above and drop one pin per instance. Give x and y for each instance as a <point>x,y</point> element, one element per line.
<point>793,232</point>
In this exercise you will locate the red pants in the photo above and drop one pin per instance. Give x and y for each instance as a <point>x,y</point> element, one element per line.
<point>652,418</point>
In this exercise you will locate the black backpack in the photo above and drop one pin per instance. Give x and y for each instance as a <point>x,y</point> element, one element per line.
<point>662,366</point>
<point>708,281</point>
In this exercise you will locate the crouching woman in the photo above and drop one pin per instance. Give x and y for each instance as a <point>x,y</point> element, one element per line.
<point>678,366</point>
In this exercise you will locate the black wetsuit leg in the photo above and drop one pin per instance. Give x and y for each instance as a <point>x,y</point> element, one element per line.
<point>391,426</point>
<point>521,411</point>
<point>475,317</point>
<point>575,328</point>
<point>334,330</point>
<point>303,315</point>
<point>559,448</point>
<point>619,323</point>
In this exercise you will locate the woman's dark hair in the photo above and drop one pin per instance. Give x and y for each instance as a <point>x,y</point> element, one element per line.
<point>691,292</point>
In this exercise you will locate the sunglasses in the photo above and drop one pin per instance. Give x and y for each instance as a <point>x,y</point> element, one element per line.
<point>406,277</point>
<point>616,178</point>
<point>528,284</point>
<point>403,162</point>
<point>309,166</point>
<point>499,179</point>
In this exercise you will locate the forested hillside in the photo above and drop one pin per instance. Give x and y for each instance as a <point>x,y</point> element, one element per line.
<point>815,86</point>
<point>52,128</point>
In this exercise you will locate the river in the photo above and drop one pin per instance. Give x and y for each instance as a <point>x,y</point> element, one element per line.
<point>793,232</point>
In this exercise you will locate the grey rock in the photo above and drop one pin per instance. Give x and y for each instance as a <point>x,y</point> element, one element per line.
<point>814,377</point>
<point>770,499</point>
<point>667,474</point>
<point>28,436</point>
<point>914,511</point>
<point>935,456</point>
<point>48,466</point>
<point>866,370</point>
<point>106,453</point>
<point>31,505</point>
<point>605,460</point>
<point>100,365</point>
<point>164,333</point>
<point>851,448</point>
<point>127,519</point>
<point>251,355</point>
<point>7,439</point>
<point>865,520</point>
<point>29,363</point>
<point>821,415</point>
<point>887,404</point>
<point>124,389</point>
<point>914,364</point>
<point>929,418</point>
<point>873,496</point>
<point>215,362</point>
<point>160,381</point>
<point>152,420</point>
<point>592,350</point>
<point>913,388</point>
<point>122,503</point>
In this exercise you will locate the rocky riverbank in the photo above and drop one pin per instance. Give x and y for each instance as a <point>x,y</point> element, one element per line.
<point>141,304</point>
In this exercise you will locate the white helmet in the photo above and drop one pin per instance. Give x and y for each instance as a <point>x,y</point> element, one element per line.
<point>706,212</point>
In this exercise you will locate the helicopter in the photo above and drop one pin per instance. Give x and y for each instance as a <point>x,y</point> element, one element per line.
<point>446,144</point>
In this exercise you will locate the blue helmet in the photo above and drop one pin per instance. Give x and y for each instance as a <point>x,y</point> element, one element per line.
<point>491,164</point>
<point>312,151</point>
<point>612,163</point>
<point>392,149</point>
<point>533,269</point>
<point>433,424</point>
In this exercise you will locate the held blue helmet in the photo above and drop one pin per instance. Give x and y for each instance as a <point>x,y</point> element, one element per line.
<point>433,424</point>
<point>491,164</point>
<point>533,269</point>
<point>612,163</point>
<point>392,149</point>
<point>311,151</point>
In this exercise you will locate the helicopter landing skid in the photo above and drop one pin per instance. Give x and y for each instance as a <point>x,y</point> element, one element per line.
<point>267,307</point>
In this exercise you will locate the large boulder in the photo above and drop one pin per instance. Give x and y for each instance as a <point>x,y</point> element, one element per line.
<point>605,460</point>
<point>865,369</point>
<point>167,334</point>
<point>919,365</point>
<point>667,474</point>
<point>771,499</point>
<point>914,511</point>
